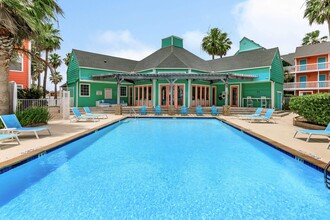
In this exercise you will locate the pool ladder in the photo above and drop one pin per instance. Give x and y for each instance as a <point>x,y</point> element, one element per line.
<point>327,176</point>
<point>132,110</point>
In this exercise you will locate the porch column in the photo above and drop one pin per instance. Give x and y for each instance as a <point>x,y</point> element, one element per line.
<point>272,100</point>
<point>189,94</point>
<point>226,92</point>
<point>119,80</point>
<point>154,92</point>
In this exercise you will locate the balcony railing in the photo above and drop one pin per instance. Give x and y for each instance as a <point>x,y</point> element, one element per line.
<point>308,67</point>
<point>307,85</point>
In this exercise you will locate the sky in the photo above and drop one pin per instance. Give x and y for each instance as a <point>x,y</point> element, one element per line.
<point>134,29</point>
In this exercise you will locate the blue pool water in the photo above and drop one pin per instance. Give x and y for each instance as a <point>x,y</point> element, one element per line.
<point>164,169</point>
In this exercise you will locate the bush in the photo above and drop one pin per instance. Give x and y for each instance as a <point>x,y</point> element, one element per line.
<point>315,108</point>
<point>34,116</point>
<point>29,93</point>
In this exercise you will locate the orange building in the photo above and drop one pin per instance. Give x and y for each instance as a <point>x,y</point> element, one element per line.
<point>20,69</point>
<point>311,69</point>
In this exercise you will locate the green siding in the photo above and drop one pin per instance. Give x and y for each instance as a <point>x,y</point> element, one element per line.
<point>246,44</point>
<point>276,72</point>
<point>86,74</point>
<point>262,73</point>
<point>171,70</point>
<point>73,70</point>
<point>91,100</point>
<point>172,41</point>
<point>255,90</point>
<point>278,97</point>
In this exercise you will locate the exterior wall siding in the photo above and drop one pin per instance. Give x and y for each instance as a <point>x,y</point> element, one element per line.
<point>73,70</point>
<point>276,72</point>
<point>246,45</point>
<point>22,77</point>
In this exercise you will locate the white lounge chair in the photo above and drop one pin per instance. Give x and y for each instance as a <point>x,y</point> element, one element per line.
<point>325,132</point>
<point>79,117</point>
<point>9,136</point>
<point>89,112</point>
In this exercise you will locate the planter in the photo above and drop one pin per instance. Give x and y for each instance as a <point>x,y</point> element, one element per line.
<point>226,110</point>
<point>302,122</point>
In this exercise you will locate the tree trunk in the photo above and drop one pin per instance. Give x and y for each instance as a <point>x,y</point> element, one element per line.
<point>6,49</point>
<point>38,87</point>
<point>55,95</point>
<point>329,26</point>
<point>45,76</point>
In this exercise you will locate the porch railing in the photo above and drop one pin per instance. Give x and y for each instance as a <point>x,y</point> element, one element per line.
<point>308,67</point>
<point>307,85</point>
<point>23,104</point>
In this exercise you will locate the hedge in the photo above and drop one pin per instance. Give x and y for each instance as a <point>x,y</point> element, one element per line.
<point>315,108</point>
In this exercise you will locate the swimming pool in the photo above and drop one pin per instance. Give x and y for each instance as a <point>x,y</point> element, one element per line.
<point>164,168</point>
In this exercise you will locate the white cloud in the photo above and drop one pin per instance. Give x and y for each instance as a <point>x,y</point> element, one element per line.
<point>121,44</point>
<point>274,23</point>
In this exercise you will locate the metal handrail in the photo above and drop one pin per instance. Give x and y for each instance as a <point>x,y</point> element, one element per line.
<point>327,176</point>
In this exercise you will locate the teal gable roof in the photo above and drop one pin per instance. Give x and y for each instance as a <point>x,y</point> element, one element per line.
<point>246,45</point>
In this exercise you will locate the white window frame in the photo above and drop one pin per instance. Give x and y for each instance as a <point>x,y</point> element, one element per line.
<point>125,87</point>
<point>89,89</point>
<point>19,56</point>
<point>301,93</point>
<point>19,86</point>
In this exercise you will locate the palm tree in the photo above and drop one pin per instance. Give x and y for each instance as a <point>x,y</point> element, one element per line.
<point>318,11</point>
<point>20,19</point>
<point>67,59</point>
<point>55,78</point>
<point>216,43</point>
<point>313,38</point>
<point>48,42</point>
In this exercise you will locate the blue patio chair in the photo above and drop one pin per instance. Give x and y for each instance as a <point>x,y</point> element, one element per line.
<point>214,110</point>
<point>158,110</point>
<point>325,132</point>
<point>79,117</point>
<point>9,136</point>
<point>143,110</point>
<point>257,113</point>
<point>89,112</point>
<point>265,118</point>
<point>199,110</point>
<point>184,110</point>
<point>11,122</point>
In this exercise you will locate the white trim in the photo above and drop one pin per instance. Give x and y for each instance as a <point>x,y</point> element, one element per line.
<point>77,93</point>
<point>154,81</point>
<point>120,90</point>
<point>232,70</point>
<point>106,82</point>
<point>89,90</point>
<point>309,92</point>
<point>272,89</point>
<point>189,93</point>
<point>22,64</point>
<point>19,85</point>
<point>29,65</point>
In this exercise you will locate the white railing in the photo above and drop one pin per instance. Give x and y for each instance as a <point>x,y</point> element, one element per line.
<point>308,67</point>
<point>23,104</point>
<point>307,85</point>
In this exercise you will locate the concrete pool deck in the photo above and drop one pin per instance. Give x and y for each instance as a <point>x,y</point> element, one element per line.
<point>280,135</point>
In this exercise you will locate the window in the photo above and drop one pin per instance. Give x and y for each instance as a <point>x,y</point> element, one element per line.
<point>123,91</point>
<point>108,93</point>
<point>84,90</point>
<point>16,63</point>
<point>19,86</point>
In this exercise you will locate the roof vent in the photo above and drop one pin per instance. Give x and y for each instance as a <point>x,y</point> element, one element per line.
<point>172,41</point>
<point>105,61</point>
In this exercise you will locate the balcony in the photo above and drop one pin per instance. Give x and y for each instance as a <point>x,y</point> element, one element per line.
<point>306,85</point>
<point>308,67</point>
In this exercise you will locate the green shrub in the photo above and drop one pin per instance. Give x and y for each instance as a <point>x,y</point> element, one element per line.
<point>29,93</point>
<point>34,116</point>
<point>315,108</point>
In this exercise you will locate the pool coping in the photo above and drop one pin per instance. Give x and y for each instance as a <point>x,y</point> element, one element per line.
<point>17,161</point>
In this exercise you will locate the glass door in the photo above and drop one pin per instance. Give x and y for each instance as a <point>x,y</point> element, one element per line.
<point>234,96</point>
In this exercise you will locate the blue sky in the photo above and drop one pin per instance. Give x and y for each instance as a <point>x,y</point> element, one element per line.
<point>134,29</point>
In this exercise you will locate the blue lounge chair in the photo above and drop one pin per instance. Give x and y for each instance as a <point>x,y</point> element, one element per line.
<point>184,110</point>
<point>158,110</point>
<point>214,110</point>
<point>325,132</point>
<point>79,117</point>
<point>11,122</point>
<point>143,110</point>
<point>257,113</point>
<point>199,110</point>
<point>265,118</point>
<point>89,112</point>
<point>9,136</point>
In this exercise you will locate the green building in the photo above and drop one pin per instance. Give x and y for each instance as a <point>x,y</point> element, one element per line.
<point>173,76</point>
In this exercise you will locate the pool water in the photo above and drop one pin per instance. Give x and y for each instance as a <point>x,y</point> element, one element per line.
<point>164,169</point>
